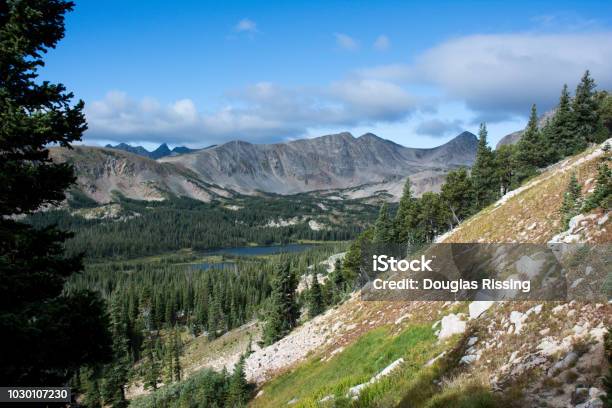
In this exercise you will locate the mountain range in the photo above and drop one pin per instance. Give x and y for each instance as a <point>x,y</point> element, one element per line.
<point>162,151</point>
<point>336,165</point>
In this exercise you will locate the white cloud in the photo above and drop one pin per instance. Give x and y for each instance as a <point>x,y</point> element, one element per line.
<point>439,128</point>
<point>346,42</point>
<point>506,73</point>
<point>374,98</point>
<point>382,43</point>
<point>263,112</point>
<point>344,102</point>
<point>118,117</point>
<point>509,72</point>
<point>185,110</point>
<point>246,25</point>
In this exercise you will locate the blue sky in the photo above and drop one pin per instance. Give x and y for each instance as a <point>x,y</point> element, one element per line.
<point>199,73</point>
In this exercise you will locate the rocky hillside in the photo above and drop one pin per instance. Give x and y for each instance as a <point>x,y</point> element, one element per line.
<point>450,354</point>
<point>101,172</point>
<point>338,161</point>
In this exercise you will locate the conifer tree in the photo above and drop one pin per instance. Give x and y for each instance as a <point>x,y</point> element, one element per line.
<point>406,217</point>
<point>585,109</point>
<point>529,148</point>
<point>169,314</point>
<point>352,260</point>
<point>150,366</point>
<point>571,201</point>
<point>604,101</point>
<point>90,387</point>
<point>433,217</point>
<point>338,265</point>
<point>47,334</point>
<point>160,310</point>
<point>284,310</point>
<point>238,387</point>
<point>338,287</point>
<point>458,195</point>
<point>116,374</point>
<point>565,139</point>
<point>216,317</point>
<point>335,287</point>
<point>315,298</point>
<point>505,167</point>
<point>484,177</point>
<point>176,353</point>
<point>137,337</point>
<point>383,228</point>
<point>550,152</point>
<point>166,363</point>
<point>601,197</point>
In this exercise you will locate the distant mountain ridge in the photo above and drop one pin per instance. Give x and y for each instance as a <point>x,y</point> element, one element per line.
<point>339,166</point>
<point>162,151</point>
<point>337,161</point>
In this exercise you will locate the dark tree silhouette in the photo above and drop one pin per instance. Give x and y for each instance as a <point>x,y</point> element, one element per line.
<point>47,334</point>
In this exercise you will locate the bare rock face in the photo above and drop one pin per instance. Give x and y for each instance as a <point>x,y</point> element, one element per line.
<point>510,139</point>
<point>450,325</point>
<point>102,172</point>
<point>338,161</point>
<point>479,307</point>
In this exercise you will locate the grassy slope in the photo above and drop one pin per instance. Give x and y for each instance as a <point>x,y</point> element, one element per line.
<point>533,214</point>
<point>381,333</point>
<point>367,356</point>
<point>200,352</point>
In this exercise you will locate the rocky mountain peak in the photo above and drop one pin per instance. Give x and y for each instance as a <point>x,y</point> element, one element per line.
<point>372,138</point>
<point>465,137</point>
<point>342,137</point>
<point>162,151</point>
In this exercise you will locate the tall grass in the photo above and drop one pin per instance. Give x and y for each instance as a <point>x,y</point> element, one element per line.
<point>372,352</point>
